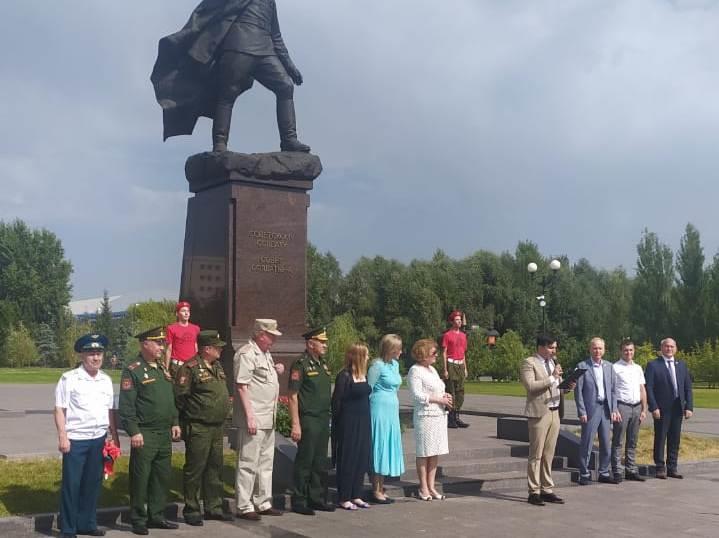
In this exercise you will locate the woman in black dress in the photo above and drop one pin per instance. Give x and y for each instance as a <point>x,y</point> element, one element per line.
<point>351,434</point>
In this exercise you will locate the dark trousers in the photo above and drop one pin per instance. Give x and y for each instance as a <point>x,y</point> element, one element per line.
<point>81,480</point>
<point>202,472</point>
<point>667,432</point>
<point>150,469</point>
<point>311,462</point>
<point>237,71</point>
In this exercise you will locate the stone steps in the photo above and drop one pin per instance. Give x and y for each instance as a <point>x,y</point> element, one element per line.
<point>497,466</point>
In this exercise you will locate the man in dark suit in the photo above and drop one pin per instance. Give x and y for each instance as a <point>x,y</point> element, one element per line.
<point>669,393</point>
<point>596,401</point>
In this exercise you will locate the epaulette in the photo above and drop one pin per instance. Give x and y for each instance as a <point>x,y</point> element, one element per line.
<point>133,365</point>
<point>191,363</point>
<point>244,349</point>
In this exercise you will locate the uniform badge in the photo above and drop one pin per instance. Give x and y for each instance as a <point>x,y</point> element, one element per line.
<point>295,375</point>
<point>126,383</point>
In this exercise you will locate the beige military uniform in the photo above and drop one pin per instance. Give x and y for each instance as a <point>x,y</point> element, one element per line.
<point>255,453</point>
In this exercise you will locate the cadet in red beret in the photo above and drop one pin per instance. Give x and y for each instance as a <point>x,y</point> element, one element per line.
<point>454,347</point>
<point>181,339</point>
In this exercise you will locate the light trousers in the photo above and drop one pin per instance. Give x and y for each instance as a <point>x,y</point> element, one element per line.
<point>253,482</point>
<point>543,433</point>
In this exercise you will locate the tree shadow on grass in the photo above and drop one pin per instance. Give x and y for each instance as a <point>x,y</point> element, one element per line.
<point>22,499</point>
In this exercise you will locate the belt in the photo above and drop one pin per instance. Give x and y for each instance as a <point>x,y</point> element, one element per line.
<point>554,408</point>
<point>456,361</point>
<point>629,404</point>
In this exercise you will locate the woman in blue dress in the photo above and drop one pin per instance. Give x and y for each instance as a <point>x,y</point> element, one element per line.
<point>384,379</point>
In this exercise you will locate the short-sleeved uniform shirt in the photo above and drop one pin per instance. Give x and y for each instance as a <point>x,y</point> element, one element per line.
<point>86,400</point>
<point>201,392</point>
<point>310,378</point>
<point>256,370</point>
<point>183,340</point>
<point>147,399</point>
<point>456,344</point>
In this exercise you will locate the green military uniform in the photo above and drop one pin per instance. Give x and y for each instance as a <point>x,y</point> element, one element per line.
<point>310,379</point>
<point>147,406</point>
<point>203,402</point>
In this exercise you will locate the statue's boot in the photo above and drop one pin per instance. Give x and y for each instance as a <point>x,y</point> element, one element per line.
<point>287,125</point>
<point>221,129</point>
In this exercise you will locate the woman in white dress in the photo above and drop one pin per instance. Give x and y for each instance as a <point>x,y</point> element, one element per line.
<point>430,415</point>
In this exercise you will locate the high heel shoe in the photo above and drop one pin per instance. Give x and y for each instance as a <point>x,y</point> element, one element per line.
<point>423,498</point>
<point>438,496</point>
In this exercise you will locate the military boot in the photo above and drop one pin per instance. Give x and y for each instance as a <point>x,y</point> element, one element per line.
<point>287,125</point>
<point>451,420</point>
<point>221,129</point>
<point>459,421</point>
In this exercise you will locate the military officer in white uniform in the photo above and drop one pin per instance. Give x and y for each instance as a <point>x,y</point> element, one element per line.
<point>83,416</point>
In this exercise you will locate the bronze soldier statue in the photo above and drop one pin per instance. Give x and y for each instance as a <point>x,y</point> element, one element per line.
<point>224,47</point>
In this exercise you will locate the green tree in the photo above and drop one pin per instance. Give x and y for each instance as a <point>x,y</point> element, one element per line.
<point>691,314</point>
<point>324,278</point>
<point>342,333</point>
<point>142,317</point>
<point>20,348</point>
<point>46,345</point>
<point>644,353</point>
<point>652,296</point>
<point>103,322</point>
<point>34,274</point>
<point>507,356</point>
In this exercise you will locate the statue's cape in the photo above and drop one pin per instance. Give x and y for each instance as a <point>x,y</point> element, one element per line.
<point>184,74</point>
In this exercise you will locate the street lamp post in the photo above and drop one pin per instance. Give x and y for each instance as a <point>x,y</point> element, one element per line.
<point>554,265</point>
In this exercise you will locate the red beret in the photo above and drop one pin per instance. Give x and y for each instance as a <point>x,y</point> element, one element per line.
<point>181,304</point>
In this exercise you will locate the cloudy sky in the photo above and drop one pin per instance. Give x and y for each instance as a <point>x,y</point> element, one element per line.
<point>461,124</point>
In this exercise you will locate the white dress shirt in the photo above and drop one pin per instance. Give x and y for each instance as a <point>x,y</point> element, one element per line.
<point>670,364</point>
<point>599,376</point>
<point>629,379</point>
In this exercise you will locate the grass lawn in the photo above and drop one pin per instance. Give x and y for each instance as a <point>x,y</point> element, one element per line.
<point>692,447</point>
<point>33,486</point>
<point>703,397</point>
<point>42,375</point>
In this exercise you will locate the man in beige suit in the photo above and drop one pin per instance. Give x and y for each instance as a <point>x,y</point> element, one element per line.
<point>541,375</point>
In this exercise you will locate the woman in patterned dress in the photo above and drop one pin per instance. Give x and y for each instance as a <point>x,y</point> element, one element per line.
<point>385,379</point>
<point>430,415</point>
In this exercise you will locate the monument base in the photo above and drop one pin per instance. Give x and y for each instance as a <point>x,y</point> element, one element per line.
<point>245,246</point>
